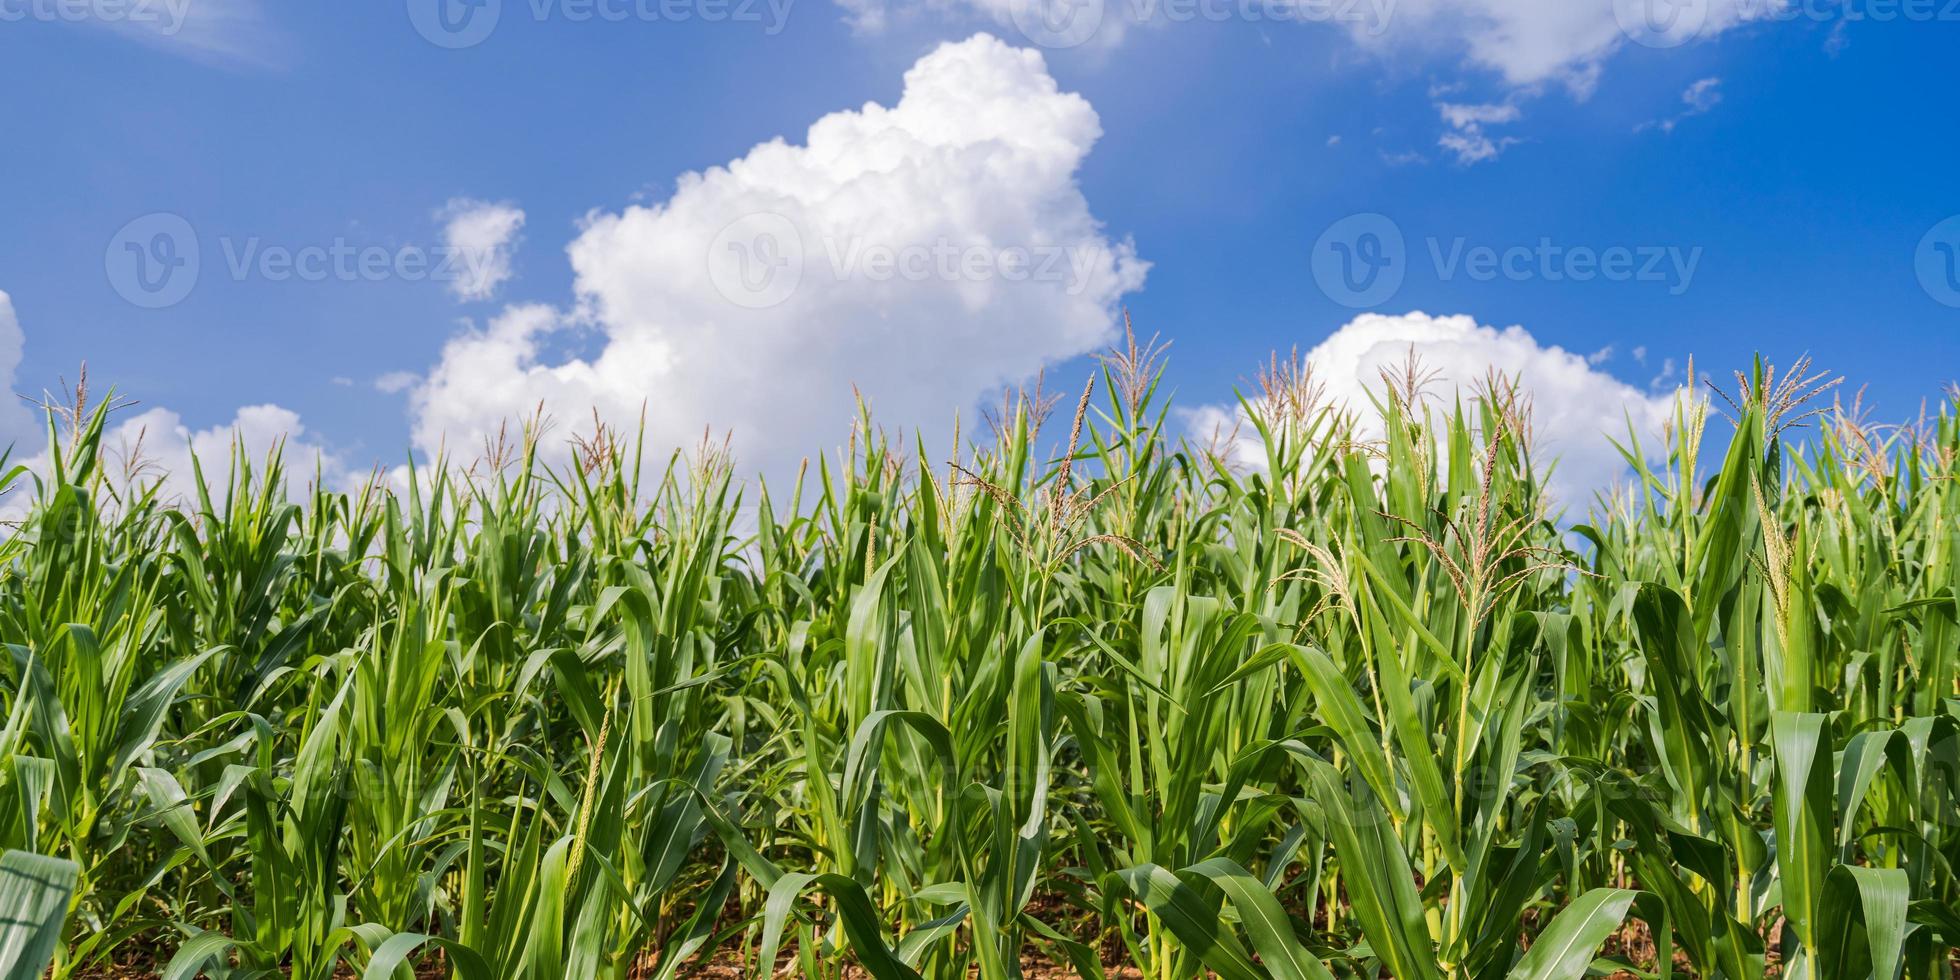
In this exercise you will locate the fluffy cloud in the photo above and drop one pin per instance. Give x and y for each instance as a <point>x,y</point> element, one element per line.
<point>20,427</point>
<point>155,444</point>
<point>925,252</point>
<point>156,447</point>
<point>1576,409</point>
<point>1525,42</point>
<point>1523,46</point>
<point>1529,42</point>
<point>481,237</point>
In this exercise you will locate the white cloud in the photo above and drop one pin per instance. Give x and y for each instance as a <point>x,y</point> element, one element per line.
<point>1525,42</point>
<point>1703,95</point>
<point>1699,97</point>
<point>232,33</point>
<point>155,444</point>
<point>20,426</point>
<point>880,251</point>
<point>1461,116</point>
<point>1576,409</point>
<point>481,238</point>
<point>1529,42</point>
<point>1524,46</point>
<point>1467,138</point>
<point>396,382</point>
<point>156,447</point>
<point>1838,39</point>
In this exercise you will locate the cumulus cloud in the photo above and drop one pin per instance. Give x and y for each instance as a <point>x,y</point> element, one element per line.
<point>1525,42</point>
<point>1530,42</point>
<point>155,444</point>
<point>480,238</point>
<point>19,425</point>
<point>927,253</point>
<point>1523,46</point>
<point>158,445</point>
<point>1576,409</point>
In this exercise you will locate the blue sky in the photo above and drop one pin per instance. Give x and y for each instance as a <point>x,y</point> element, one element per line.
<point>1775,182</point>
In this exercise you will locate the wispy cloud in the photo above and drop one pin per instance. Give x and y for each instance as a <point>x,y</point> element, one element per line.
<point>1700,97</point>
<point>396,382</point>
<point>1467,138</point>
<point>226,33</point>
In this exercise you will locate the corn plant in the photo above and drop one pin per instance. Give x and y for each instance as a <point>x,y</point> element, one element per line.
<point>1342,692</point>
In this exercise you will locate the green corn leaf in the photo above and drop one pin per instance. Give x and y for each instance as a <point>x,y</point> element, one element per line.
<point>1195,923</point>
<point>1565,950</point>
<point>1862,902</point>
<point>1263,919</point>
<point>34,892</point>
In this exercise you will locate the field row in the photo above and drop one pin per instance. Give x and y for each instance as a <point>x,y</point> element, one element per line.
<point>1339,695</point>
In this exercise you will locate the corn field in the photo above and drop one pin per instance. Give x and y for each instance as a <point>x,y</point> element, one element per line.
<point>1071,696</point>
